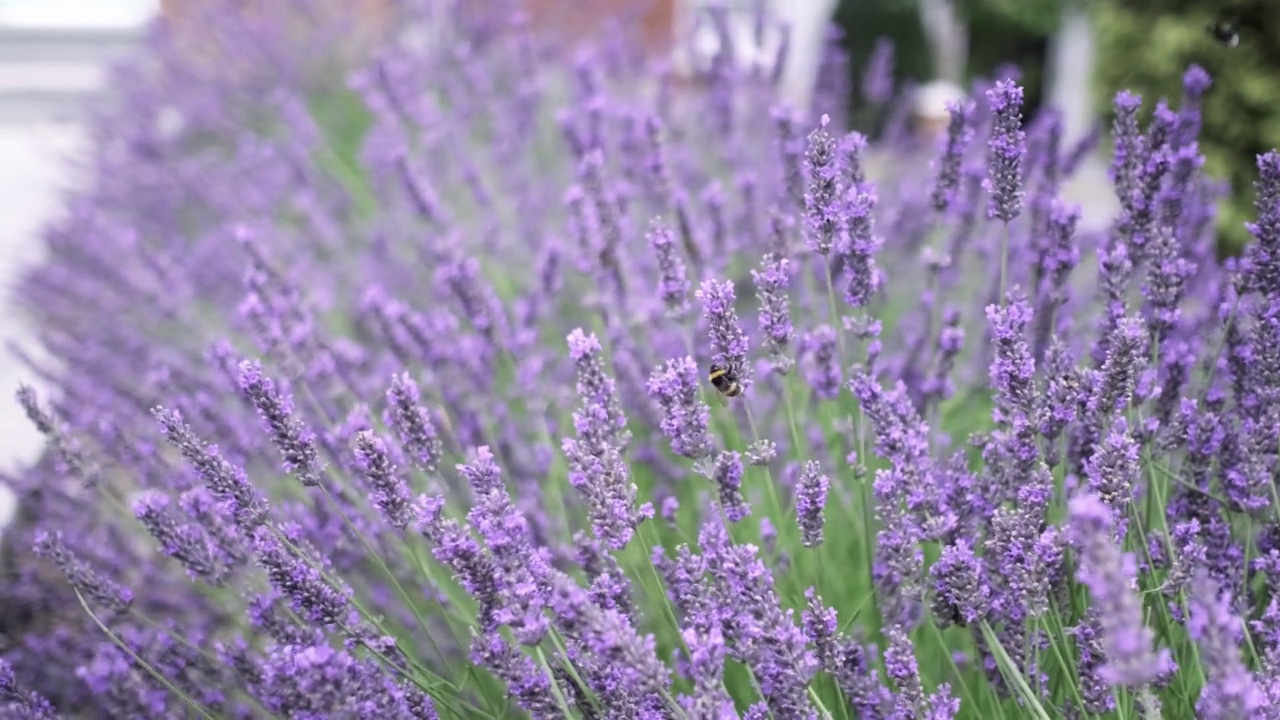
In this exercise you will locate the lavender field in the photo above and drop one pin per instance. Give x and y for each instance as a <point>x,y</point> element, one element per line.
<point>471,377</point>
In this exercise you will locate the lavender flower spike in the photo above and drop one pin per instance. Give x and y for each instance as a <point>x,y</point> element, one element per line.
<point>947,166</point>
<point>728,477</point>
<point>20,701</point>
<point>596,465</point>
<point>390,493</point>
<point>609,636</point>
<point>224,480</point>
<point>772,281</point>
<point>822,199</point>
<point>728,342</point>
<point>83,578</point>
<point>296,443</point>
<point>1264,256</point>
<point>1231,693</point>
<point>1006,150</point>
<point>709,700</point>
<point>412,423</point>
<point>1109,575</point>
<point>684,417</point>
<point>182,541</point>
<point>811,499</point>
<point>673,284</point>
<point>520,571</point>
<point>819,363</point>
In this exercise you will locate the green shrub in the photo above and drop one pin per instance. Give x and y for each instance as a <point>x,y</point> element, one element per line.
<point>1146,46</point>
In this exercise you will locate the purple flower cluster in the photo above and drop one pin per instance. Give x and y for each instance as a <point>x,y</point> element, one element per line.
<point>360,399</point>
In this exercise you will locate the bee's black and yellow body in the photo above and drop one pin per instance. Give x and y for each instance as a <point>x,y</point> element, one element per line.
<point>724,380</point>
<point>1225,32</point>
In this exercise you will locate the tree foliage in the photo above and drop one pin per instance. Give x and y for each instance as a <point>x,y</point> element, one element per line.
<point>1146,45</point>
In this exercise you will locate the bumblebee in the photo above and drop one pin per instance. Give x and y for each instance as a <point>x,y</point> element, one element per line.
<point>1225,32</point>
<point>725,379</point>
<point>1235,21</point>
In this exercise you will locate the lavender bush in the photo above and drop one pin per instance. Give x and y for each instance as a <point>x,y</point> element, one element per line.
<point>392,402</point>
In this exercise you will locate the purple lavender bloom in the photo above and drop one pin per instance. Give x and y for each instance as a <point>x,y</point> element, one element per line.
<point>772,281</point>
<point>673,285</point>
<point>596,466</point>
<point>1062,252</point>
<point>1118,378</point>
<point>877,79</point>
<point>670,507</point>
<point>1232,691</point>
<point>421,192</point>
<point>684,416</point>
<point>821,627</point>
<point>525,681</point>
<point>1013,368</point>
<point>609,636</point>
<point>610,585</point>
<point>901,667</point>
<point>709,701</point>
<point>1195,82</point>
<point>728,342</point>
<point>1006,151</point>
<point>310,593</point>
<point>938,385</point>
<point>857,251</point>
<point>852,146</point>
<point>818,362</point>
<point>521,572</point>
<point>222,478</point>
<point>1264,256</point>
<point>1113,471</point>
<point>688,587</point>
<point>595,386</point>
<point>87,581</point>
<point>1129,144</point>
<point>791,151</point>
<point>962,593</point>
<point>727,474</point>
<point>292,437</point>
<point>389,491</point>
<point>68,449</point>
<point>479,303</point>
<point>947,167</point>
<point>1109,575</point>
<point>1094,690</point>
<point>319,681</point>
<point>412,423</point>
<point>18,702</point>
<point>759,632</point>
<point>823,221</point>
<point>761,452</point>
<point>457,550</point>
<point>185,542</point>
<point>811,500</point>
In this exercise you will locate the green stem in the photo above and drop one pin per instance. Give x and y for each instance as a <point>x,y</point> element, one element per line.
<point>555,686</point>
<point>1029,699</point>
<point>142,663</point>
<point>413,607</point>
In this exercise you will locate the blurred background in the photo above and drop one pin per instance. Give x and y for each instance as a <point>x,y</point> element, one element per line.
<point>1070,54</point>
